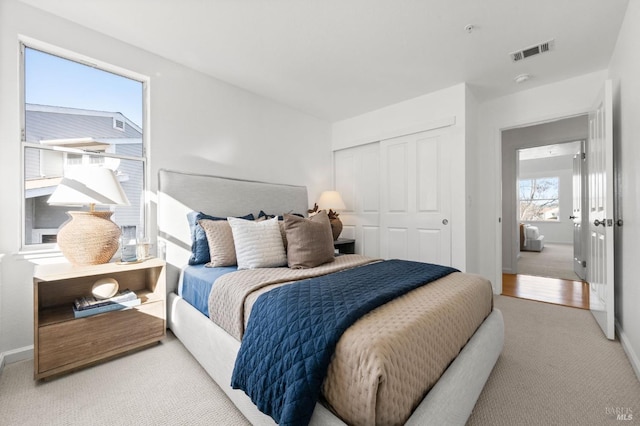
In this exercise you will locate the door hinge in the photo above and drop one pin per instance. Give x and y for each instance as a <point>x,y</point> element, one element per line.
<point>584,263</point>
<point>584,155</point>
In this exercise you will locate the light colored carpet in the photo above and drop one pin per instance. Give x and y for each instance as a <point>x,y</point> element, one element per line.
<point>162,385</point>
<point>556,369</point>
<point>554,261</point>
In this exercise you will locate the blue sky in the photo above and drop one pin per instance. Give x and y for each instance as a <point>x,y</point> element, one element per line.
<point>51,80</point>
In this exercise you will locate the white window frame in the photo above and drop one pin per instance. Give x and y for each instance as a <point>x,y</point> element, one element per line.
<point>520,200</point>
<point>29,42</point>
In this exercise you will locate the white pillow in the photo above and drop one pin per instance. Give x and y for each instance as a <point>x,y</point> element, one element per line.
<point>532,232</point>
<point>258,243</point>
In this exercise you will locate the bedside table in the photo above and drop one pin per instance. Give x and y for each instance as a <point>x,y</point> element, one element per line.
<point>63,343</point>
<point>345,245</point>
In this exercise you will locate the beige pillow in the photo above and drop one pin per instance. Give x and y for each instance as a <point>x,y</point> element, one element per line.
<point>220,239</point>
<point>309,241</point>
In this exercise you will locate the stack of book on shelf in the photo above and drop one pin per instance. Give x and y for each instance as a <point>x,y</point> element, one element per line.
<point>87,306</point>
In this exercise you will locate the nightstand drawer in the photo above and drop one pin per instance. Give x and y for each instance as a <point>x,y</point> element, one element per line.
<point>85,340</point>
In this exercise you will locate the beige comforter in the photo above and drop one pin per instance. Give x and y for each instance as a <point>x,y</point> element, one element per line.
<point>388,360</point>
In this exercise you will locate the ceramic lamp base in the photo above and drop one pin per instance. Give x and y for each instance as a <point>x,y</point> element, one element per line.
<point>336,228</point>
<point>89,238</point>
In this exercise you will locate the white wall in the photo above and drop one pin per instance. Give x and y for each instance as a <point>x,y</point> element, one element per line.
<point>426,112</point>
<point>624,70</point>
<point>445,107</point>
<point>563,99</point>
<point>197,124</point>
<point>473,170</point>
<point>560,231</point>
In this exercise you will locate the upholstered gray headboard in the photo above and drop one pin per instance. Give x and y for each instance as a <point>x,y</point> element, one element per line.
<point>180,193</point>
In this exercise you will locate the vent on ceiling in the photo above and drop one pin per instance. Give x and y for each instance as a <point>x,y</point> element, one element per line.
<point>532,51</point>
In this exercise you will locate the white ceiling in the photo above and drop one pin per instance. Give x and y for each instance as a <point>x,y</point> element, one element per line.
<point>336,59</point>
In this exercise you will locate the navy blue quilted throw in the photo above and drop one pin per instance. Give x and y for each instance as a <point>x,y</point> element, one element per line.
<point>293,331</point>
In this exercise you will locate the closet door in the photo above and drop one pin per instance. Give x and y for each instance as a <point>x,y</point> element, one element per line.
<point>357,179</point>
<point>415,198</point>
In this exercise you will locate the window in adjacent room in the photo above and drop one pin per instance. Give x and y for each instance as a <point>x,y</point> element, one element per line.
<point>77,114</point>
<point>538,199</point>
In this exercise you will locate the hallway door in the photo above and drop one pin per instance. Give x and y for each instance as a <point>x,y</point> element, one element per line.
<point>601,215</point>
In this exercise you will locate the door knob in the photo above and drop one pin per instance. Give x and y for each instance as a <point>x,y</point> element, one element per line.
<point>573,217</point>
<point>445,221</point>
<point>598,223</point>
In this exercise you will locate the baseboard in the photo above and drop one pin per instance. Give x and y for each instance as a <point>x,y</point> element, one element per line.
<point>15,355</point>
<point>626,346</point>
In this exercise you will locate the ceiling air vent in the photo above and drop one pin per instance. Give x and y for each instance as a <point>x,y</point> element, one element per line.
<point>532,51</point>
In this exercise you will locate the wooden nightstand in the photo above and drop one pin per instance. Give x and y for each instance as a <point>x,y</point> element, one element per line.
<point>345,245</point>
<point>63,343</point>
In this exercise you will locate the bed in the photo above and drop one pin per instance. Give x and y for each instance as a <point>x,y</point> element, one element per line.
<point>449,401</point>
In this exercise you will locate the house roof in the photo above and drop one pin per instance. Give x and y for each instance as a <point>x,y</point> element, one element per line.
<point>45,122</point>
<point>90,130</point>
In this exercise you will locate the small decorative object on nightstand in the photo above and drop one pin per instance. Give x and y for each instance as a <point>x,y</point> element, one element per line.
<point>331,201</point>
<point>128,245</point>
<point>104,288</point>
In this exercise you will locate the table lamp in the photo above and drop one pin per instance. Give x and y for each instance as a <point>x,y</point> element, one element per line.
<point>331,201</point>
<point>89,237</point>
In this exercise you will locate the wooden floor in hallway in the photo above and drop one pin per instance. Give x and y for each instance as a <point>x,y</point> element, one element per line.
<point>574,294</point>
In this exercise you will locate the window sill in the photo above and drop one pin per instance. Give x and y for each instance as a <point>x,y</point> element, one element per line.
<point>40,256</point>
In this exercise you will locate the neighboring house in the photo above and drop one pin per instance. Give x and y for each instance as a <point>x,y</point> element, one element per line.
<point>98,131</point>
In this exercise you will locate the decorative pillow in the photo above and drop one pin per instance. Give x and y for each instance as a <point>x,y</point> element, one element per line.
<point>220,242</point>
<point>258,243</point>
<point>199,245</point>
<point>309,241</point>
<point>532,232</point>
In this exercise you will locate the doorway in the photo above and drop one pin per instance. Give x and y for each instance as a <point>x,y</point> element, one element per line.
<point>549,203</point>
<point>546,151</point>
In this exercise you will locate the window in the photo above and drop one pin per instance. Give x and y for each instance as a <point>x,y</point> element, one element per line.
<point>539,199</point>
<point>76,115</point>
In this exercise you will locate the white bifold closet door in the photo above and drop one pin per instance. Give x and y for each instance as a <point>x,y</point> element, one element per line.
<point>357,178</point>
<point>415,198</point>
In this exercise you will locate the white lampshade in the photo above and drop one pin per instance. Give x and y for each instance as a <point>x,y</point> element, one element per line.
<point>89,186</point>
<point>331,200</point>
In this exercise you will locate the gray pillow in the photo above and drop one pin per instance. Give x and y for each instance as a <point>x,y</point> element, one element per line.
<point>309,241</point>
